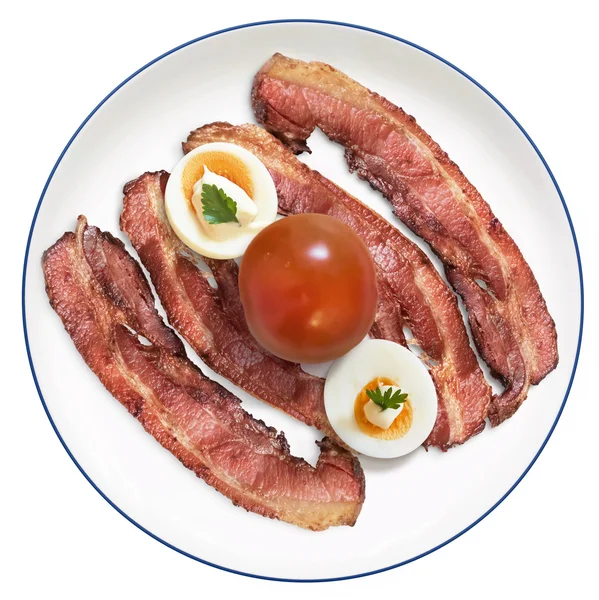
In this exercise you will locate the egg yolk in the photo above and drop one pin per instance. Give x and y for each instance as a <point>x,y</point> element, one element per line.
<point>398,428</point>
<point>220,163</point>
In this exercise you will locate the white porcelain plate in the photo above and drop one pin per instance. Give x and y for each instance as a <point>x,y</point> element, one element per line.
<point>139,127</point>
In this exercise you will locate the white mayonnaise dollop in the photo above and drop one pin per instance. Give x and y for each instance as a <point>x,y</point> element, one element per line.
<point>382,418</point>
<point>246,207</point>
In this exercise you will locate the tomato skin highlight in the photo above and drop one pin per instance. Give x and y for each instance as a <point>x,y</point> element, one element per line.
<point>308,288</point>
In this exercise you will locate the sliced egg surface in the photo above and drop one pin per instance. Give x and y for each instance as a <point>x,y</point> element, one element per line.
<point>242,176</point>
<point>385,362</point>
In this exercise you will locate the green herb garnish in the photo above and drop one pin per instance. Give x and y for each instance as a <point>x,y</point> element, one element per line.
<point>217,206</point>
<point>387,400</point>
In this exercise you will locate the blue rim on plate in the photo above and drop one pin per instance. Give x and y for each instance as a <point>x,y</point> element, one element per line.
<point>388,35</point>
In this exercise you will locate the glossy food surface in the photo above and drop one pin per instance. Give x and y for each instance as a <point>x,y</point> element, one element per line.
<point>308,288</point>
<point>400,425</point>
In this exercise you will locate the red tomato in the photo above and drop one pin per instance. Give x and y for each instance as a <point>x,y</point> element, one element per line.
<point>308,288</point>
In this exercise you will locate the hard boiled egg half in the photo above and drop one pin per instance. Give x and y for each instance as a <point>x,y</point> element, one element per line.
<point>218,197</point>
<point>405,407</point>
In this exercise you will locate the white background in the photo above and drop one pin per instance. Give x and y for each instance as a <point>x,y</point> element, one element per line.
<point>58,536</point>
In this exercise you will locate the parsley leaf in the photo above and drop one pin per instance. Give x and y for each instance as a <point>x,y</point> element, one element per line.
<point>217,206</point>
<point>387,400</point>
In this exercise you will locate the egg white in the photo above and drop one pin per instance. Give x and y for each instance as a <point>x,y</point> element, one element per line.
<point>367,361</point>
<point>184,220</point>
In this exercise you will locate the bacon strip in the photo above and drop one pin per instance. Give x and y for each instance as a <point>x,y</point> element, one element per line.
<point>510,323</point>
<point>411,292</point>
<point>101,295</point>
<point>211,320</point>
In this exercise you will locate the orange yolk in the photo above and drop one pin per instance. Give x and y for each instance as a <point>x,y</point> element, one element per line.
<point>220,163</point>
<point>398,428</point>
